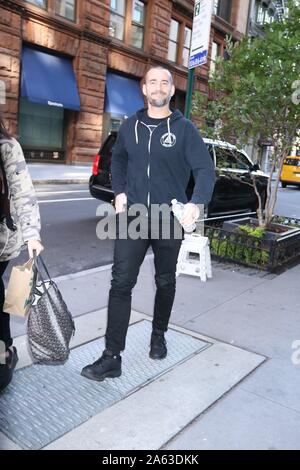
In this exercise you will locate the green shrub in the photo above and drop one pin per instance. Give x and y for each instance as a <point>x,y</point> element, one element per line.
<point>257,232</point>
<point>245,249</point>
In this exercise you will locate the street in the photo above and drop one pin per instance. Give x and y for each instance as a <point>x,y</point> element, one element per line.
<point>288,202</point>
<point>69,220</point>
<point>68,215</point>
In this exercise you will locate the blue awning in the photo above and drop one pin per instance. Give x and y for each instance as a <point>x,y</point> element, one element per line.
<point>123,95</point>
<point>49,79</point>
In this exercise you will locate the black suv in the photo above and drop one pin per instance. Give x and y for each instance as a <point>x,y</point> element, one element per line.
<point>233,193</point>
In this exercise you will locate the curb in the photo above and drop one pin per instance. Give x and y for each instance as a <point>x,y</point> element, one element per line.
<point>88,272</point>
<point>62,181</point>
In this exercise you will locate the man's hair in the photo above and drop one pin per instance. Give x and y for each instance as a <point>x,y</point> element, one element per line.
<point>159,67</point>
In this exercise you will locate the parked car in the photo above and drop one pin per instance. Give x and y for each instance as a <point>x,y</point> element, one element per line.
<point>290,173</point>
<point>233,193</point>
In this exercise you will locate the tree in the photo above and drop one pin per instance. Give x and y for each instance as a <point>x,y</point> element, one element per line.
<point>256,93</point>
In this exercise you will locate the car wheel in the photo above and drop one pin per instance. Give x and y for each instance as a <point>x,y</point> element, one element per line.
<point>283,185</point>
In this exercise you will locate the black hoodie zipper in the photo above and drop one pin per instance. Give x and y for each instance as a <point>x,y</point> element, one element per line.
<point>149,159</point>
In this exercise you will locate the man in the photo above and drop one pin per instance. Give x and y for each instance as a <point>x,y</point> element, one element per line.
<point>152,159</point>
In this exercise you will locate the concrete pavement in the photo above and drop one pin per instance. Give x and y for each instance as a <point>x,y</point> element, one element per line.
<point>240,393</point>
<point>58,173</point>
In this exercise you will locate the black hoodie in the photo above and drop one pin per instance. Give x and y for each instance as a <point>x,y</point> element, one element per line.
<point>154,166</point>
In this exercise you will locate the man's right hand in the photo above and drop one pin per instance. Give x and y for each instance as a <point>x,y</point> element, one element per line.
<point>120,203</point>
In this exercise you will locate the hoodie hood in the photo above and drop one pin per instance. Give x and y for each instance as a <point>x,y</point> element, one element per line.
<point>173,117</point>
<point>140,115</point>
<point>152,161</point>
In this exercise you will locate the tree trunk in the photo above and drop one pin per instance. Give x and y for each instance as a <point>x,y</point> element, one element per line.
<point>273,198</point>
<point>259,211</point>
<point>268,214</point>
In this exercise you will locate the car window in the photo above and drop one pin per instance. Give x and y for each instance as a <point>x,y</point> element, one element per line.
<point>292,161</point>
<point>242,160</point>
<point>231,159</point>
<point>211,152</point>
<point>108,145</point>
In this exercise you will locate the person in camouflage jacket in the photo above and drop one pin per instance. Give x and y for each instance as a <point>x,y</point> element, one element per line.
<point>23,202</point>
<point>25,214</point>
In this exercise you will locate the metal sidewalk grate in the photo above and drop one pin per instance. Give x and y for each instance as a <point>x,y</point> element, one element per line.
<point>45,402</point>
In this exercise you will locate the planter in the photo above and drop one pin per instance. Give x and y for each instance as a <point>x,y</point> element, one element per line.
<point>273,232</point>
<point>277,247</point>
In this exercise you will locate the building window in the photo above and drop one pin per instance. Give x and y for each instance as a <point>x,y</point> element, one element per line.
<point>186,46</point>
<point>262,15</point>
<point>137,24</point>
<point>39,3</point>
<point>66,8</point>
<point>127,21</point>
<point>117,19</point>
<point>173,41</point>
<point>180,37</point>
<point>215,52</point>
<point>178,101</point>
<point>40,127</point>
<point>222,8</point>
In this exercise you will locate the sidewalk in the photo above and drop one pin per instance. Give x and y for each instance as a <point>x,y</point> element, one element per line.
<point>230,380</point>
<point>55,173</point>
<point>239,392</point>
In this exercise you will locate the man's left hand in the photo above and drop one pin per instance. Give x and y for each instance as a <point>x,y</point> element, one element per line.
<point>191,214</point>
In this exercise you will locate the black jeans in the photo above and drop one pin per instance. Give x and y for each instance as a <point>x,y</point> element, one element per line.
<point>128,257</point>
<point>5,335</point>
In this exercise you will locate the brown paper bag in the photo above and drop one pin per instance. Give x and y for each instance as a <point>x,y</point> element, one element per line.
<point>17,298</point>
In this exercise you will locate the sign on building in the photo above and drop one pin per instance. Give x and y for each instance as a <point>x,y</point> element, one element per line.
<point>201,32</point>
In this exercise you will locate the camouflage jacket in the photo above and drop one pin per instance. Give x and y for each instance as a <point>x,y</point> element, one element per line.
<point>23,202</point>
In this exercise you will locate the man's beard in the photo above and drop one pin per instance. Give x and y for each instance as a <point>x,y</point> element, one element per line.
<point>159,102</point>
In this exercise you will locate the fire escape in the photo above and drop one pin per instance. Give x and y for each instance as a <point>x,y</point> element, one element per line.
<point>274,9</point>
<point>280,10</point>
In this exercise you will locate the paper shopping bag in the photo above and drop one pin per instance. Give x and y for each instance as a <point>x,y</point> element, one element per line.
<point>18,294</point>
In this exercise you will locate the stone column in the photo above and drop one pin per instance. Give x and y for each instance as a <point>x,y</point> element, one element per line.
<point>10,50</point>
<point>85,131</point>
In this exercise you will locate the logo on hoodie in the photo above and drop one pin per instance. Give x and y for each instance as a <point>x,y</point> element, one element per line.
<point>168,140</point>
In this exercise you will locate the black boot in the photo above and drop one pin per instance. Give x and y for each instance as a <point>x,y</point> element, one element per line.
<point>158,345</point>
<point>7,369</point>
<point>107,366</point>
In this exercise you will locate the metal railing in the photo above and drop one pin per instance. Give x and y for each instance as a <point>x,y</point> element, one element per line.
<point>259,252</point>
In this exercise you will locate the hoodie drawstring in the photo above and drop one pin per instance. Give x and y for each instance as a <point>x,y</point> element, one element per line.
<point>169,131</point>
<point>136,132</point>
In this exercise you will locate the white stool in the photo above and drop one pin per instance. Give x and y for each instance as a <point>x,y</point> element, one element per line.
<point>200,265</point>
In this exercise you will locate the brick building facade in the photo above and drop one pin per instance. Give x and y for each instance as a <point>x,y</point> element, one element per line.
<point>85,36</point>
